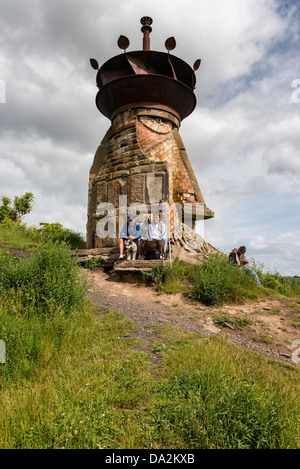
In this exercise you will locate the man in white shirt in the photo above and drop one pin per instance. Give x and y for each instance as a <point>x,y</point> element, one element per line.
<point>157,230</point>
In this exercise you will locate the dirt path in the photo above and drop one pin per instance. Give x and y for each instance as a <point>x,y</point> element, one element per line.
<point>264,326</point>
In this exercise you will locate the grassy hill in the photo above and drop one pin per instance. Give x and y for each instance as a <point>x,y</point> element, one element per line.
<point>74,377</point>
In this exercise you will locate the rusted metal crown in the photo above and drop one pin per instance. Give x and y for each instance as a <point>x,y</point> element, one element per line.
<point>145,78</point>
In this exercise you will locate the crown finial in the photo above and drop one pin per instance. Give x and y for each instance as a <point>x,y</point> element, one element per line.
<point>146,21</point>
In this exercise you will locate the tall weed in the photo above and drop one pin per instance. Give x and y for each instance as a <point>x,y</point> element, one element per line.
<point>217,281</point>
<point>48,281</point>
<point>167,279</point>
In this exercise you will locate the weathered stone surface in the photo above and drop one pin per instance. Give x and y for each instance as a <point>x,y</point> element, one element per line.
<point>136,188</point>
<point>156,190</point>
<point>116,188</point>
<point>137,265</point>
<point>101,192</point>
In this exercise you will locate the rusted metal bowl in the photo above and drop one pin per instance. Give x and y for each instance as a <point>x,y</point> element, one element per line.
<point>146,79</point>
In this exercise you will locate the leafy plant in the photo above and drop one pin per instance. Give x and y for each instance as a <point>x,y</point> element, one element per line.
<point>237,321</point>
<point>56,232</point>
<point>93,263</point>
<point>263,338</point>
<point>166,278</point>
<point>216,281</point>
<point>288,286</point>
<point>47,281</point>
<point>21,206</point>
<point>222,320</point>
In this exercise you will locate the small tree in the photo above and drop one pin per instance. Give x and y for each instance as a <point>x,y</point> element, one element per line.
<point>22,206</point>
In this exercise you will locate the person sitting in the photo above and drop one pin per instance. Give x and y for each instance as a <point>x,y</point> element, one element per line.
<point>157,230</point>
<point>131,231</point>
<point>237,257</point>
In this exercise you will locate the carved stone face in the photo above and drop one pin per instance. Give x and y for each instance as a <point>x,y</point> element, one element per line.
<point>155,137</point>
<point>156,124</point>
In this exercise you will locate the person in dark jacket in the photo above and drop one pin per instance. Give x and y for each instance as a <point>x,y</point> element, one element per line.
<point>237,257</point>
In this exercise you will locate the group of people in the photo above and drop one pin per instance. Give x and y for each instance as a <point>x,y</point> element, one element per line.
<point>154,238</point>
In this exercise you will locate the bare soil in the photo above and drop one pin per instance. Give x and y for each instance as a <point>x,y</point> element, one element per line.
<point>264,326</point>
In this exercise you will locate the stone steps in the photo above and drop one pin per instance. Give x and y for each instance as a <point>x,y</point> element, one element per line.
<point>138,265</point>
<point>110,258</point>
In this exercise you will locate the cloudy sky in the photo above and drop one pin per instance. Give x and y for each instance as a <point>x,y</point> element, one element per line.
<point>242,139</point>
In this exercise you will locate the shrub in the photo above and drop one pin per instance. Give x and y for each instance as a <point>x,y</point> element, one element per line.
<point>212,282</point>
<point>49,280</point>
<point>56,232</point>
<point>160,273</point>
<point>216,280</point>
<point>283,285</point>
<point>168,278</point>
<point>92,264</point>
<point>288,286</point>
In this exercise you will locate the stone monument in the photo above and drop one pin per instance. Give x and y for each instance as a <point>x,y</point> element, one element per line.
<point>141,164</point>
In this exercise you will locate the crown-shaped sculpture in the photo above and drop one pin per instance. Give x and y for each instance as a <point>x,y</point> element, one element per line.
<point>146,78</point>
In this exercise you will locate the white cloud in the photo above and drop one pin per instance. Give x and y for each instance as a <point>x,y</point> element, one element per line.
<point>259,243</point>
<point>292,238</point>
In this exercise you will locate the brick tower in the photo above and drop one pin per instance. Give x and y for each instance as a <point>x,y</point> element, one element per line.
<point>145,94</point>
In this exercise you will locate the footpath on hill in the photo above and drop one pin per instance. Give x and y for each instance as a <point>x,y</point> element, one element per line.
<point>264,326</point>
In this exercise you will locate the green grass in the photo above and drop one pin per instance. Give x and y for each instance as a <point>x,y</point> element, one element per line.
<point>216,281</point>
<point>79,381</point>
<point>15,237</point>
<point>236,321</point>
<point>76,377</point>
<point>263,338</point>
<point>222,397</point>
<point>46,282</point>
<point>170,278</point>
<point>296,320</point>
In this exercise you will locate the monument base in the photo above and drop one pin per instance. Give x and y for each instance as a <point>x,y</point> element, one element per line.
<point>190,248</point>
